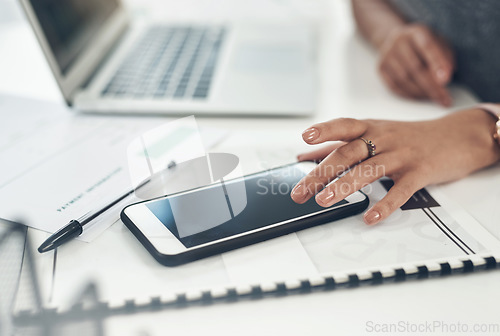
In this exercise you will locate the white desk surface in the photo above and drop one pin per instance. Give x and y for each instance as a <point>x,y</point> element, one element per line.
<point>349,86</point>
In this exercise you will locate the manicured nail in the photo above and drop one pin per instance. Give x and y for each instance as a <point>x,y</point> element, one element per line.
<point>299,193</point>
<point>447,101</point>
<point>372,217</point>
<point>310,134</point>
<point>325,198</point>
<point>438,101</point>
<point>441,75</point>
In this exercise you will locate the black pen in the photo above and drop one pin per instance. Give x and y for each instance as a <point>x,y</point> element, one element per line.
<point>75,227</point>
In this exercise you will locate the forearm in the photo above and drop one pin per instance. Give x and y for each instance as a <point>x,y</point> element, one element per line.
<point>376,19</point>
<point>477,128</point>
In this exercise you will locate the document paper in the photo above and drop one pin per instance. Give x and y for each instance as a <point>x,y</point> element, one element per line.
<point>57,165</point>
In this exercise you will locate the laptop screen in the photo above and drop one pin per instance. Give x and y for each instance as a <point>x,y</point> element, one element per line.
<point>69,25</point>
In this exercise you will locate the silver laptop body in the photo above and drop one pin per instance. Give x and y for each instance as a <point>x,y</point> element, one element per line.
<point>103,62</point>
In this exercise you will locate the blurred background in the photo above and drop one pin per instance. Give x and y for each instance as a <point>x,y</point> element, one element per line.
<point>10,10</point>
<point>17,38</point>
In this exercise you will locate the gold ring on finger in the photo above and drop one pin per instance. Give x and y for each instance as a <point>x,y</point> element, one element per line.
<point>370,146</point>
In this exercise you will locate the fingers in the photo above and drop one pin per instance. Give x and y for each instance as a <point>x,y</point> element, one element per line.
<point>396,88</point>
<point>408,76</point>
<point>435,65</point>
<point>343,129</point>
<point>433,90</point>
<point>319,154</point>
<point>336,162</point>
<point>416,64</point>
<point>436,58</point>
<point>331,167</point>
<point>400,81</point>
<point>412,64</point>
<point>360,176</point>
<point>398,195</point>
<point>346,169</point>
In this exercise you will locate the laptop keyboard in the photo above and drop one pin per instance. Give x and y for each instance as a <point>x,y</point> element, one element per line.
<point>169,62</point>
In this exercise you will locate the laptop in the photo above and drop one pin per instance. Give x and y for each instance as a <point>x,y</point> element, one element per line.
<point>105,63</point>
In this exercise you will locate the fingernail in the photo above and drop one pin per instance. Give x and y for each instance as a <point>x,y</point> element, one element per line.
<point>372,217</point>
<point>437,100</point>
<point>441,75</point>
<point>310,134</point>
<point>299,157</point>
<point>299,193</point>
<point>447,101</point>
<point>324,198</point>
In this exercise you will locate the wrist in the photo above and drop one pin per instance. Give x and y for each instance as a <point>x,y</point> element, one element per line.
<point>490,121</point>
<point>475,128</point>
<point>376,19</point>
<point>381,35</point>
<point>494,111</point>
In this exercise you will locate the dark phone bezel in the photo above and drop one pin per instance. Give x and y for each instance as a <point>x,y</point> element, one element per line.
<point>348,210</point>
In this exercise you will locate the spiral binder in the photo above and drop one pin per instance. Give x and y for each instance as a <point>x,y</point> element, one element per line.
<point>95,311</point>
<point>280,289</point>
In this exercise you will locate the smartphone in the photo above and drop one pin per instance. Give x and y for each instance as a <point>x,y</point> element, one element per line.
<point>227,215</point>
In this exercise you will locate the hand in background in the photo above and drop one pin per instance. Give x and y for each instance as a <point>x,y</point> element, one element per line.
<point>413,154</point>
<point>417,64</point>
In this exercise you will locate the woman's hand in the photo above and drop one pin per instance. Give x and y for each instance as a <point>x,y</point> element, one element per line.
<point>416,64</point>
<point>413,154</point>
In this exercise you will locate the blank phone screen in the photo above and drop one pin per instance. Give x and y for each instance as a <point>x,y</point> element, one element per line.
<point>230,208</point>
